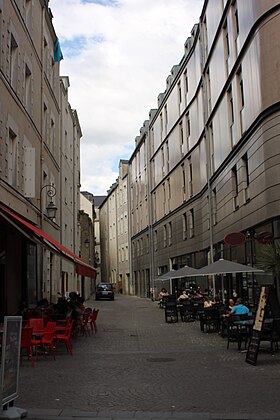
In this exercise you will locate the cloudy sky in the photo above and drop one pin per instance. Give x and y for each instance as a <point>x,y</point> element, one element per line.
<point>117,54</point>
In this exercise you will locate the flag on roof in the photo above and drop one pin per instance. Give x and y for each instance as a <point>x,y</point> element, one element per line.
<point>57,51</point>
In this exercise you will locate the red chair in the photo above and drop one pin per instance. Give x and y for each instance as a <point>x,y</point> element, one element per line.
<point>93,318</point>
<point>37,324</point>
<point>83,324</point>
<point>48,340</point>
<point>51,326</point>
<point>65,336</point>
<point>26,343</point>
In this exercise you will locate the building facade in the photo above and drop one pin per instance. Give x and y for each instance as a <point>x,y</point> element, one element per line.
<point>206,162</point>
<point>39,162</point>
<point>114,234</point>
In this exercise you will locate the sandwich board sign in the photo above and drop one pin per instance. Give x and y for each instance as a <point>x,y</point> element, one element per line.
<point>10,358</point>
<point>267,296</point>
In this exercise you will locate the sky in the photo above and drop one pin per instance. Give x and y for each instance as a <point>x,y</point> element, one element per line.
<point>118,55</point>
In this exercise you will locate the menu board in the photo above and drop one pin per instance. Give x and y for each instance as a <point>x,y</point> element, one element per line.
<point>253,348</point>
<point>10,358</point>
<point>254,344</point>
<point>267,297</point>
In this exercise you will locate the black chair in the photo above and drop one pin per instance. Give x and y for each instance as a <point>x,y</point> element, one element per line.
<point>271,333</point>
<point>237,332</point>
<point>210,320</point>
<point>171,311</point>
<point>187,311</point>
<point>163,301</point>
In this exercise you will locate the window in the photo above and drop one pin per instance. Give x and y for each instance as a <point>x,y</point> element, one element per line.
<point>161,126</point>
<point>214,206</point>
<point>212,154</point>
<point>185,226</point>
<point>234,187</point>
<point>27,88</point>
<point>162,162</point>
<point>164,236</point>
<point>181,134</point>
<point>168,193</point>
<point>152,141</point>
<point>208,85</point>
<point>170,233</point>
<point>230,114</point>
<point>190,176</point>
<point>65,190</point>
<point>205,38</point>
<point>240,95</point>
<point>186,83</point>
<point>226,48</point>
<point>245,177</point>
<point>235,25</point>
<point>164,197</point>
<point>155,206</point>
<point>167,156</point>
<point>45,123</point>
<point>179,93</point>
<point>52,135</point>
<point>12,158</point>
<point>183,181</point>
<point>156,240</point>
<point>188,131</point>
<point>191,223</point>
<point>13,62</point>
<point>165,117</point>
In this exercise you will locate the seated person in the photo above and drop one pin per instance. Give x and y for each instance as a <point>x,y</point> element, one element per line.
<point>163,292</point>
<point>208,303</point>
<point>183,296</point>
<point>231,304</point>
<point>162,295</point>
<point>239,308</point>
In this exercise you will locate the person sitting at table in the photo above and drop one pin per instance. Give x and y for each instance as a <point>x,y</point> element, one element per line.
<point>231,304</point>
<point>208,303</point>
<point>163,292</point>
<point>183,296</point>
<point>239,308</point>
<point>162,295</point>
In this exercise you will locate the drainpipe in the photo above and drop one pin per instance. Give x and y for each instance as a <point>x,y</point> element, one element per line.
<point>208,153</point>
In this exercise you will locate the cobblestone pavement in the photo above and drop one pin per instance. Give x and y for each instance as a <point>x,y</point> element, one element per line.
<point>138,366</point>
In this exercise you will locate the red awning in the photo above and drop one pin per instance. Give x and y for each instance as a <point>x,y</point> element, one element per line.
<point>82,267</point>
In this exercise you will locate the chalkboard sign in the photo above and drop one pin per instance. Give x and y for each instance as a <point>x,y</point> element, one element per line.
<point>253,348</point>
<point>267,297</point>
<point>254,344</point>
<point>10,358</point>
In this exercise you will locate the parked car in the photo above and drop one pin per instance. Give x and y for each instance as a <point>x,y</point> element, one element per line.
<point>104,291</point>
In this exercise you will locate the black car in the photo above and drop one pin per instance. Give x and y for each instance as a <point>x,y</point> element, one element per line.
<point>104,291</point>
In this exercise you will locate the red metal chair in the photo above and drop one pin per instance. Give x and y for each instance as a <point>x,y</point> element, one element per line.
<point>83,324</point>
<point>65,336</point>
<point>26,343</point>
<point>93,318</point>
<point>48,340</point>
<point>37,324</point>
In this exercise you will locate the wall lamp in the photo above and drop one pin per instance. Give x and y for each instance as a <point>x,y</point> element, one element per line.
<point>51,208</point>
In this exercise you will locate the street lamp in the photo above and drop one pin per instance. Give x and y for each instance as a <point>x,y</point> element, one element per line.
<point>51,207</point>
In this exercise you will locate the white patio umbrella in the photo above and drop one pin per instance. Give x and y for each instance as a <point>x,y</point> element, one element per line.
<point>185,271</point>
<point>225,267</point>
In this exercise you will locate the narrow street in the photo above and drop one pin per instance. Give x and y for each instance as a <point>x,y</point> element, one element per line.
<point>137,363</point>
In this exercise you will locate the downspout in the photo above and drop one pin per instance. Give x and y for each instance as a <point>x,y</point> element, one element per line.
<point>129,230</point>
<point>40,269</point>
<point>150,219</point>
<point>208,152</point>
